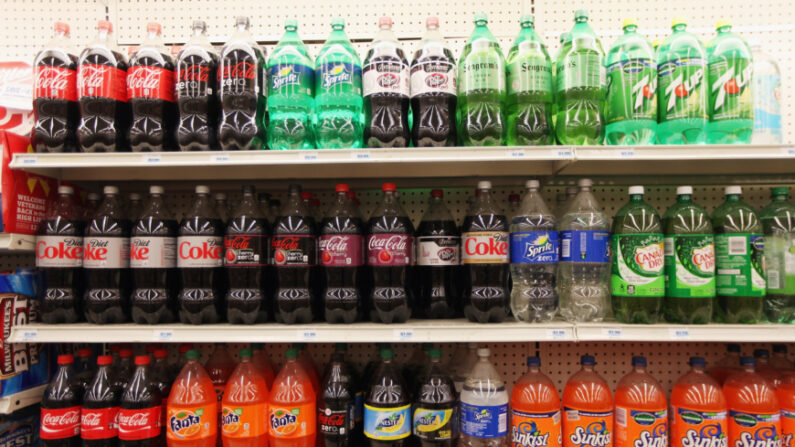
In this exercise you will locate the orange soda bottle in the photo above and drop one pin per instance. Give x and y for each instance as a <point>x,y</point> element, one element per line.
<point>244,411</point>
<point>587,408</point>
<point>292,407</point>
<point>698,409</point>
<point>535,409</point>
<point>764,369</point>
<point>641,409</point>
<point>727,365</point>
<point>261,360</point>
<point>754,416</point>
<point>779,360</point>
<point>219,367</point>
<point>786,401</point>
<point>192,407</point>
<point>309,366</point>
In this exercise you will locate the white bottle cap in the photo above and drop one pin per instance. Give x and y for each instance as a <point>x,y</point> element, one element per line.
<point>483,352</point>
<point>572,190</point>
<point>90,196</point>
<point>135,196</point>
<point>734,189</point>
<point>532,184</point>
<point>684,190</point>
<point>154,189</point>
<point>202,189</point>
<point>485,184</point>
<point>637,189</point>
<point>65,189</point>
<point>110,190</point>
<point>220,196</point>
<point>585,183</point>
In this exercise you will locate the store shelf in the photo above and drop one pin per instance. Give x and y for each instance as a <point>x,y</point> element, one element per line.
<point>14,402</point>
<point>13,242</point>
<point>741,333</point>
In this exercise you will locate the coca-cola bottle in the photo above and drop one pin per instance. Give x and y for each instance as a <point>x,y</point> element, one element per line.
<point>84,367</point>
<point>390,256</point>
<point>135,205</point>
<point>200,262</point>
<point>438,260</point>
<point>336,408</point>
<point>55,95</point>
<point>140,413</point>
<point>197,94</point>
<point>99,422</point>
<point>242,90</point>
<point>153,262</point>
<point>60,407</point>
<point>246,257</point>
<point>342,259</point>
<point>102,93</point>
<point>294,254</point>
<point>106,262</point>
<point>59,258</point>
<point>485,259</point>
<point>91,204</point>
<point>150,87</point>
<point>161,375</point>
<point>124,369</point>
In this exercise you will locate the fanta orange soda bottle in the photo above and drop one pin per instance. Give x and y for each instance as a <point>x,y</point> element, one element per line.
<point>587,408</point>
<point>192,407</point>
<point>245,406</point>
<point>260,359</point>
<point>786,401</point>
<point>309,366</point>
<point>219,367</point>
<point>535,409</point>
<point>641,409</point>
<point>292,406</point>
<point>727,365</point>
<point>698,409</point>
<point>754,418</point>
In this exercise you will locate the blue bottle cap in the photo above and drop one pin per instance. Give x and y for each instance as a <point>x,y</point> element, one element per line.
<point>588,360</point>
<point>638,360</point>
<point>697,361</point>
<point>747,361</point>
<point>533,361</point>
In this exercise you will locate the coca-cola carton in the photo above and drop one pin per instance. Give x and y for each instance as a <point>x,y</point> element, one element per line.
<point>16,93</point>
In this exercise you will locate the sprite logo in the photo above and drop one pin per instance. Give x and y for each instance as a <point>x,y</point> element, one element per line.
<point>728,84</point>
<point>538,246</point>
<point>336,75</point>
<point>681,88</point>
<point>285,76</point>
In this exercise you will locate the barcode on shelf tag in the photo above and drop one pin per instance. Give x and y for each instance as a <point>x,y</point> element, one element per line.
<point>788,151</point>
<point>557,334</point>
<point>220,158</point>
<point>515,153</point>
<point>403,334</point>
<point>612,332</point>
<point>679,333</point>
<point>360,155</point>
<point>164,334</point>
<point>151,158</point>
<point>307,334</point>
<point>26,160</point>
<point>565,154</point>
<point>627,153</point>
<point>30,335</point>
<point>308,156</point>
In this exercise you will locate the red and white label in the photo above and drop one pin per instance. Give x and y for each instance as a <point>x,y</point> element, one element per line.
<point>55,82</point>
<point>106,252</point>
<point>341,250</point>
<point>151,252</point>
<point>59,251</point>
<point>385,77</point>
<point>60,423</point>
<point>200,251</point>
<point>485,247</point>
<point>99,423</point>
<point>433,77</point>
<point>390,249</point>
<point>150,82</point>
<point>103,81</point>
<point>139,424</point>
<point>438,251</point>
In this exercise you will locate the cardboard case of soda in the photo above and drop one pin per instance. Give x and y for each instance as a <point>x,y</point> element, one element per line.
<point>20,428</point>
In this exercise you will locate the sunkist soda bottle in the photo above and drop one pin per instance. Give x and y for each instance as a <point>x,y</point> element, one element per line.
<point>438,261</point>
<point>60,407</point>
<point>387,407</point>
<point>778,224</point>
<point>786,401</point>
<point>197,92</point>
<point>587,408</point>
<point>726,365</point>
<point>192,407</point>
<point>336,411</point>
<point>698,409</point>
<point>292,407</point>
<point>764,369</point>
<point>641,409</point>
<point>245,406</point>
<point>535,409</point>
<point>754,413</point>
<point>141,410</point>
<point>99,418</point>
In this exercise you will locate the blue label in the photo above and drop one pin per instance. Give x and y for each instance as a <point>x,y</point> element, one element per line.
<point>337,74</point>
<point>358,406</point>
<point>484,421</point>
<point>767,108</point>
<point>585,246</point>
<point>534,247</point>
<point>293,78</point>
<point>387,423</point>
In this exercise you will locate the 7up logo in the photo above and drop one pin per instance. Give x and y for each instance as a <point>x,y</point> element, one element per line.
<point>681,88</point>
<point>643,90</point>
<point>728,84</point>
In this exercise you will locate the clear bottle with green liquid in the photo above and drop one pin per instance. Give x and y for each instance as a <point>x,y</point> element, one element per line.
<point>778,224</point>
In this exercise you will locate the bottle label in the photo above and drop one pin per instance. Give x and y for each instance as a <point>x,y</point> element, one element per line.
<point>483,69</point>
<point>245,250</point>
<point>638,263</point>
<point>534,247</point>
<point>435,424</point>
<point>140,424</point>
<point>341,250</point>
<point>244,421</point>
<point>780,263</point>
<point>587,428</point>
<point>787,427</point>
<point>293,422</point>
<point>194,80</point>
<point>59,251</point>
<point>106,252</point>
<point>338,77</point>
<point>60,423</point>
<point>290,79</point>
<point>386,424</point>
<point>536,429</point>
<point>641,428</point>
<point>193,423</point>
<point>730,89</point>
<point>103,81</point>
<point>433,77</point>
<point>484,421</point>
<point>150,82</point>
<point>530,74</point>
<point>690,265</point>
<point>335,422</point>
<point>385,249</point>
<point>683,92</point>
<point>697,428</point>
<point>632,90</point>
<point>244,76</point>
<point>585,246</point>
<point>294,250</point>
<point>99,423</point>
<point>438,251</point>
<point>740,264</point>
<point>754,429</point>
<point>485,247</point>
<point>152,252</point>
<point>58,83</point>
<point>200,251</point>
<point>386,77</point>
<point>581,70</point>
<point>767,107</point>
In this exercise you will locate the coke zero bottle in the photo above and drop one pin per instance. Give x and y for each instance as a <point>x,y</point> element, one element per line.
<point>60,407</point>
<point>438,260</point>
<point>100,416</point>
<point>337,404</point>
<point>140,413</point>
<point>196,90</point>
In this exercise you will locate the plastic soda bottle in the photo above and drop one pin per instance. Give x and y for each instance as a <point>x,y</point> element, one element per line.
<point>637,283</point>
<point>767,94</point>
<point>220,367</point>
<point>587,408</point>
<point>681,81</point>
<point>641,409</point>
<point>727,365</point>
<point>435,414</point>
<point>291,406</point>
<point>731,101</point>
<point>763,368</point>
<point>580,86</point>
<point>481,89</point>
<point>739,261</point>
<point>337,405</point>
<point>631,112</point>
<point>754,415</point>
<point>484,406</point>
<point>535,409</point>
<point>192,407</point>
<point>245,407</point>
<point>778,225</point>
<point>689,261</point>
<point>529,85</point>
<point>698,409</point>
<point>291,83</point>
<point>786,401</point>
<point>387,408</point>
<point>461,363</point>
<point>779,360</point>
<point>338,92</point>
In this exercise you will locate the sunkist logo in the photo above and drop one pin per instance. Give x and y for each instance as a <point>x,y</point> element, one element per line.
<point>762,437</point>
<point>704,258</point>
<point>650,258</point>
<point>708,436</point>
<point>527,434</point>
<point>656,437</point>
<point>337,74</point>
<point>186,423</point>
<point>595,434</point>
<point>728,84</point>
<point>681,89</point>
<point>538,246</point>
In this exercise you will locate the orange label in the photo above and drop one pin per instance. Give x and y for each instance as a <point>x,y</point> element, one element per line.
<point>583,428</point>
<point>641,428</point>
<point>293,421</point>
<point>192,423</point>
<point>693,428</point>
<point>244,421</point>
<point>754,429</point>
<point>535,429</point>
<point>787,428</point>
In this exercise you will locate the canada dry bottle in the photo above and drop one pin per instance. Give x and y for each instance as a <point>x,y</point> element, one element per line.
<point>438,260</point>
<point>778,224</point>
<point>387,408</point>
<point>435,413</point>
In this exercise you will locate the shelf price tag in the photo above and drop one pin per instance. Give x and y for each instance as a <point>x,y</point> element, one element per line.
<point>557,334</point>
<point>308,156</point>
<point>26,159</point>
<point>679,333</point>
<point>786,150</point>
<point>357,154</point>
<point>403,335</point>
<point>612,333</point>
<point>565,153</point>
<point>220,158</point>
<point>30,335</point>
<point>516,153</point>
<point>307,334</point>
<point>164,334</point>
<point>628,152</point>
<point>151,158</point>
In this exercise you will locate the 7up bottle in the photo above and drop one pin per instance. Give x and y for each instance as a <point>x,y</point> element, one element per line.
<point>778,222</point>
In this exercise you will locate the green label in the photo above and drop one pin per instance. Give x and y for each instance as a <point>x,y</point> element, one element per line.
<point>632,90</point>
<point>530,74</point>
<point>780,263</point>
<point>690,265</point>
<point>481,70</point>
<point>740,270</point>
<point>638,265</point>
<point>730,90</point>
<point>580,70</point>
<point>683,89</point>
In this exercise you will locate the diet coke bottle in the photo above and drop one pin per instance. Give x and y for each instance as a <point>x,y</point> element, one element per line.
<point>140,415</point>
<point>60,407</point>
<point>197,98</point>
<point>99,421</point>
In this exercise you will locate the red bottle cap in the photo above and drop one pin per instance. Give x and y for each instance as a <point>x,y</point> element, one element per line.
<point>62,27</point>
<point>432,22</point>
<point>385,21</point>
<point>104,360</point>
<point>66,359</point>
<point>161,354</point>
<point>389,187</point>
<point>185,347</point>
<point>351,194</point>
<point>125,353</point>
<point>152,347</point>
<point>115,348</point>
<point>142,360</point>
<point>306,195</point>
<point>85,352</point>
<point>342,187</point>
<point>105,25</point>
<point>437,193</point>
<point>154,27</point>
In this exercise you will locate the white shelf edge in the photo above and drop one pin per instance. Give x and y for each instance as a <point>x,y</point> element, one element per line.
<point>608,331</point>
<point>13,402</point>
<point>14,242</point>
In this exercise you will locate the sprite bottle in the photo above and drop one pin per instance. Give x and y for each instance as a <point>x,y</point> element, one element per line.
<point>631,114</point>
<point>637,282</point>
<point>338,92</point>
<point>291,81</point>
<point>529,89</point>
<point>689,261</point>
<point>731,101</point>
<point>481,89</point>
<point>739,247</point>
<point>580,86</point>
<point>778,223</point>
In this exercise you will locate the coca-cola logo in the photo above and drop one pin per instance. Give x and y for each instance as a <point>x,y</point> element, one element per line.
<point>130,420</point>
<point>90,419</point>
<point>387,80</point>
<point>337,244</point>
<point>143,77</point>
<point>393,243</point>
<point>54,78</point>
<point>59,421</point>
<point>209,249</point>
<point>200,73</point>
<point>491,246</point>
<point>287,243</point>
<point>93,76</point>
<point>333,420</point>
<point>66,249</point>
<point>243,69</point>
<point>436,80</point>
<point>96,250</point>
<point>11,75</point>
<point>237,242</point>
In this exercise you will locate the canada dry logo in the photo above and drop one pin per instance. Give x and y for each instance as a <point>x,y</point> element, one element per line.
<point>527,434</point>
<point>186,423</point>
<point>650,258</point>
<point>338,74</point>
<point>704,258</point>
<point>595,434</point>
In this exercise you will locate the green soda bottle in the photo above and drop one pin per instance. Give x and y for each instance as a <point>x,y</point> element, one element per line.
<point>580,91</point>
<point>731,101</point>
<point>631,89</point>
<point>529,89</point>
<point>739,247</point>
<point>637,281</point>
<point>778,222</point>
<point>481,89</point>
<point>563,37</point>
<point>689,261</point>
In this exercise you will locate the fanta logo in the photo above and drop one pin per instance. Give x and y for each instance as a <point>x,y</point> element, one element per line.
<point>657,437</point>
<point>336,75</point>
<point>728,84</point>
<point>595,435</point>
<point>704,258</point>
<point>680,89</point>
<point>285,76</point>
<point>539,246</point>
<point>185,423</point>
<point>651,259</point>
<point>708,436</point>
<point>283,422</point>
<point>763,437</point>
<point>230,418</point>
<point>527,434</point>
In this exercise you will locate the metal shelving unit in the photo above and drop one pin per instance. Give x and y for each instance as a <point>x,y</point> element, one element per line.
<point>13,402</point>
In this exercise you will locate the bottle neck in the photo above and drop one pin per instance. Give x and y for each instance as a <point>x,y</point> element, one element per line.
<point>534,369</point>
<point>636,198</point>
<point>732,197</point>
<point>639,369</point>
<point>432,34</point>
<point>385,34</point>
<point>684,198</point>
<point>630,29</point>
<point>779,198</point>
<point>698,369</point>
<point>680,28</point>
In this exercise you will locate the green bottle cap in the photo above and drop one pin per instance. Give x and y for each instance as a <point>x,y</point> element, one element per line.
<point>341,347</point>
<point>387,354</point>
<point>427,346</point>
<point>245,353</point>
<point>435,353</point>
<point>291,353</point>
<point>193,354</point>
<point>779,191</point>
<point>527,20</point>
<point>581,14</point>
<point>338,23</point>
<point>481,19</point>
<point>291,24</point>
